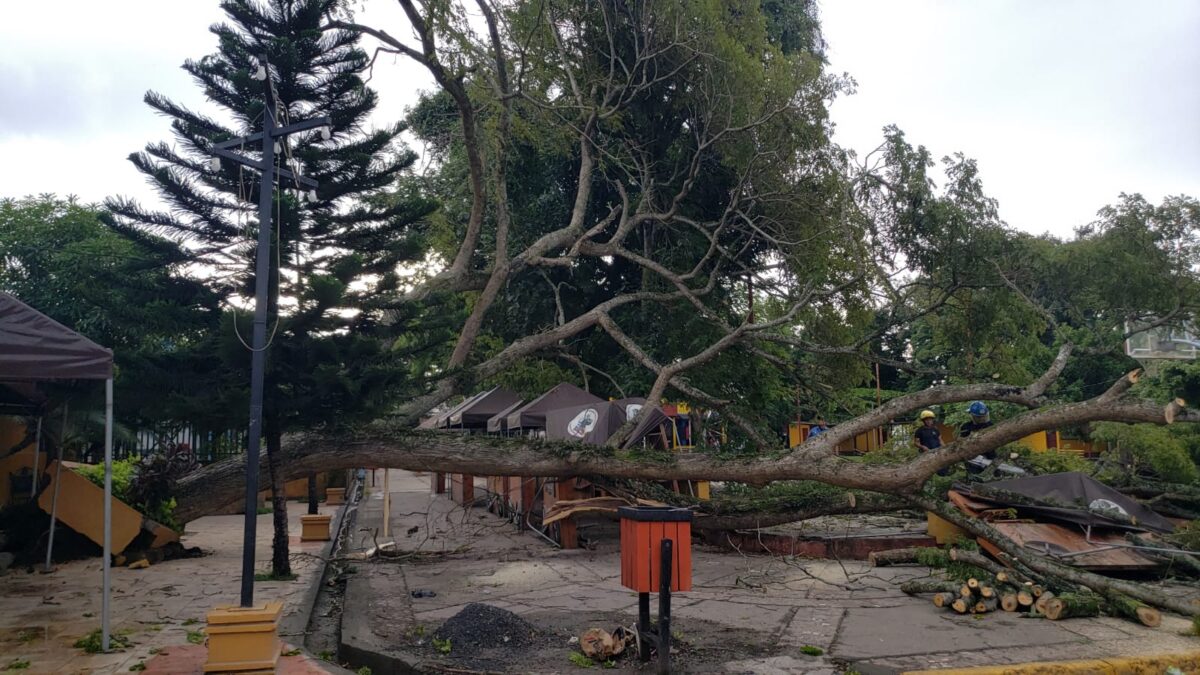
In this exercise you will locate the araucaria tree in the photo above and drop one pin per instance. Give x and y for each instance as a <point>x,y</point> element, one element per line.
<point>329,357</point>
<point>647,192</point>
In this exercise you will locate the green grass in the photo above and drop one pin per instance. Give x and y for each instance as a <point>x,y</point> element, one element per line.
<point>264,510</point>
<point>325,655</point>
<point>140,665</point>
<point>811,650</point>
<point>18,664</point>
<point>363,671</point>
<point>580,660</point>
<point>90,643</point>
<point>191,622</point>
<point>195,637</point>
<point>27,636</point>
<point>442,646</point>
<point>292,652</point>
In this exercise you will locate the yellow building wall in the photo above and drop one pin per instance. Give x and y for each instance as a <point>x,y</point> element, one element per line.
<point>81,506</point>
<point>12,430</point>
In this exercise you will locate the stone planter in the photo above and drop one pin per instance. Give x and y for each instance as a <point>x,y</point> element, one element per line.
<point>314,527</point>
<point>243,638</point>
<point>335,496</point>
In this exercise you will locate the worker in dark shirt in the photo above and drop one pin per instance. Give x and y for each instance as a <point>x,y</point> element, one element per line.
<point>980,419</point>
<point>927,437</point>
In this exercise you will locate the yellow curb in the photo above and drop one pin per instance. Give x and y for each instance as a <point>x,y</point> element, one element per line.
<point>1157,664</point>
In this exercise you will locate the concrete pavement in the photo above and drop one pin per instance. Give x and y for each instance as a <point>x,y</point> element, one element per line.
<point>769,607</point>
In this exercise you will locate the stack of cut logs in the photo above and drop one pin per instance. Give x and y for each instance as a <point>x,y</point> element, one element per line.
<point>1008,589</point>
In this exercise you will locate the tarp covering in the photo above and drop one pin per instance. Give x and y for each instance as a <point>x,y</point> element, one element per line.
<point>533,414</point>
<point>654,423</point>
<point>499,422</point>
<point>483,407</point>
<point>590,423</point>
<point>35,347</point>
<point>1071,497</point>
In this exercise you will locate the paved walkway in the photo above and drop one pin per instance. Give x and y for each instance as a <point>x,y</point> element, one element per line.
<point>854,613</point>
<point>41,615</point>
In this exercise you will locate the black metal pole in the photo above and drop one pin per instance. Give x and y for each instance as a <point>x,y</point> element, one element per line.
<point>643,626</point>
<point>664,609</point>
<point>262,273</point>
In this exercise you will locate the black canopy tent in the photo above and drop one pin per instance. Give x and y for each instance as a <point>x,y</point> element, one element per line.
<point>498,423</point>
<point>533,414</point>
<point>36,348</point>
<point>476,413</point>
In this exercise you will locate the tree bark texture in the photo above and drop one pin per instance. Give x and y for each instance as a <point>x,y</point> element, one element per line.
<point>280,563</point>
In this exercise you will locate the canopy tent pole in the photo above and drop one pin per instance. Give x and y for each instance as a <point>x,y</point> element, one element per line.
<point>108,441</point>
<point>37,449</point>
<point>62,441</point>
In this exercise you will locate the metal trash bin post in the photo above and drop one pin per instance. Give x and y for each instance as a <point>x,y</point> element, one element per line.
<point>656,555</point>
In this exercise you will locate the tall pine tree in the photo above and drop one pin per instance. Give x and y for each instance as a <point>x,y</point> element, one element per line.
<point>329,359</point>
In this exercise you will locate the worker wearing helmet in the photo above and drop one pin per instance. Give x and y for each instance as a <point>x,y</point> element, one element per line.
<point>980,419</point>
<point>927,437</point>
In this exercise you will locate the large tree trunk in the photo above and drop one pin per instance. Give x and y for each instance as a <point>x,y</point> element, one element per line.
<point>280,564</point>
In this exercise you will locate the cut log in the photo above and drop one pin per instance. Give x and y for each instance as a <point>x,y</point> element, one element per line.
<point>1040,603</point>
<point>1070,605</point>
<point>918,586</point>
<point>966,591</point>
<point>973,583</point>
<point>987,592</point>
<point>1134,610</point>
<point>943,599</point>
<point>896,556</point>
<point>985,606</point>
<point>1036,590</point>
<point>1025,599</point>
<point>960,605</point>
<point>1009,603</point>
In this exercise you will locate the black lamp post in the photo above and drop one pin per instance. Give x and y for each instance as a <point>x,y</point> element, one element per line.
<point>266,166</point>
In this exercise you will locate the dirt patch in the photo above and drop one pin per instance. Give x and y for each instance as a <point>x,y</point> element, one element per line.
<point>542,643</point>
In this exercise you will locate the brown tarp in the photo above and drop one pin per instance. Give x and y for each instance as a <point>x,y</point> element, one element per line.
<point>483,407</point>
<point>1072,497</point>
<point>533,414</point>
<point>654,422</point>
<point>499,422</point>
<point>590,423</point>
<point>35,347</point>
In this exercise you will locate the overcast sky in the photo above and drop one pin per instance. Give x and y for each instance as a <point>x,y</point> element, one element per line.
<point>1064,104</point>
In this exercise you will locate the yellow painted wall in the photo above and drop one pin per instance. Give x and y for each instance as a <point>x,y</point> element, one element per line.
<point>81,506</point>
<point>12,430</point>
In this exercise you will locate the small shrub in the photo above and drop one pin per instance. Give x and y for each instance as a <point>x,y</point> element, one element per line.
<point>442,646</point>
<point>580,660</point>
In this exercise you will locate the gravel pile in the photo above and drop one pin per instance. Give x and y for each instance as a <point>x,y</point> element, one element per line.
<point>480,627</point>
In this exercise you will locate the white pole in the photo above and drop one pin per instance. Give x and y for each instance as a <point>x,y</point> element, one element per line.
<point>387,506</point>
<point>108,439</point>
<point>62,443</point>
<point>37,449</point>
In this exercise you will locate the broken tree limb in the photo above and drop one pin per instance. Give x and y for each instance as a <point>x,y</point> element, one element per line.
<point>897,556</point>
<point>919,586</point>
<point>1062,575</point>
<point>944,599</point>
<point>1129,608</point>
<point>1069,605</point>
<point>1181,560</point>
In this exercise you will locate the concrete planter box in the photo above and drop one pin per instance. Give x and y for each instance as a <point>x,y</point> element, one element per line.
<point>314,527</point>
<point>243,638</point>
<point>334,496</point>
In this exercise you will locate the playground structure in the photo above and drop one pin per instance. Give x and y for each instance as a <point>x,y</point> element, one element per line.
<point>879,437</point>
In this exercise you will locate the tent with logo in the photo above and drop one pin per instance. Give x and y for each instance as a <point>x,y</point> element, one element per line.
<point>590,423</point>
<point>35,348</point>
<point>1071,497</point>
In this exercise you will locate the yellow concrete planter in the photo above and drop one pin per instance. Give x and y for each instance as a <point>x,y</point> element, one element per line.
<point>243,638</point>
<point>314,527</point>
<point>942,530</point>
<point>334,496</point>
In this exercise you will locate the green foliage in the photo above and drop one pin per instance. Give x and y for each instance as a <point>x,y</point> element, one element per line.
<point>442,645</point>
<point>271,576</point>
<point>195,637</point>
<point>293,652</point>
<point>811,650</point>
<point>363,671</point>
<point>137,667</point>
<point>1049,461</point>
<point>1187,536</point>
<point>18,664</point>
<point>580,660</point>
<point>326,655</point>
<point>1147,446</point>
<point>92,643</point>
<point>123,471</point>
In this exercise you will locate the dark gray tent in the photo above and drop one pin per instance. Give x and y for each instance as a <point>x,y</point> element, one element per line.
<point>483,407</point>
<point>1072,497</point>
<point>443,420</point>
<point>498,423</point>
<point>588,423</point>
<point>532,415</point>
<point>656,422</point>
<point>33,348</point>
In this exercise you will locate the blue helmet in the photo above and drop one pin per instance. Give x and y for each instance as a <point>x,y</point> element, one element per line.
<point>977,409</point>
